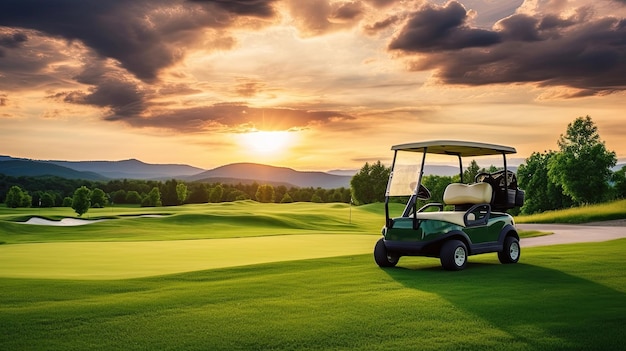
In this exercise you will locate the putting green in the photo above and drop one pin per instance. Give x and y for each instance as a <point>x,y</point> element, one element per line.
<point>117,260</point>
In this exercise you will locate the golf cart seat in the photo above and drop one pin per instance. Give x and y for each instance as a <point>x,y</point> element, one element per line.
<point>464,196</point>
<point>471,204</point>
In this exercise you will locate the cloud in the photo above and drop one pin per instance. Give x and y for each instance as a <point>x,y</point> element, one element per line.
<point>318,17</point>
<point>582,51</point>
<point>441,28</point>
<point>145,36</point>
<point>232,117</point>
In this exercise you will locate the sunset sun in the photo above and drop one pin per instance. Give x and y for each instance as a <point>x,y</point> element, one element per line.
<point>269,143</point>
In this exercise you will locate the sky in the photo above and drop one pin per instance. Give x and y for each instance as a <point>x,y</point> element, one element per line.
<point>304,84</point>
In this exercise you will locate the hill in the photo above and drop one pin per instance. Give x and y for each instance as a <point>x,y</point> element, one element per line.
<point>29,168</point>
<point>131,169</point>
<point>246,172</point>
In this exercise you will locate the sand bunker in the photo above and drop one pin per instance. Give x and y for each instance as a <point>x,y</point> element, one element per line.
<point>71,222</point>
<point>65,222</point>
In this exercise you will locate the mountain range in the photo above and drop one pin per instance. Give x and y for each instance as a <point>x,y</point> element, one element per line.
<point>244,173</point>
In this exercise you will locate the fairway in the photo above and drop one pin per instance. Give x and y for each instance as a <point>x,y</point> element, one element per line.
<point>115,260</point>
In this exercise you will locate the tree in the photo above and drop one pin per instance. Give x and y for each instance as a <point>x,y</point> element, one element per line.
<point>47,200</point>
<point>133,197</point>
<point>470,173</point>
<point>541,193</point>
<point>216,193</point>
<point>67,201</point>
<point>152,199</point>
<point>119,197</point>
<point>619,183</point>
<point>370,183</point>
<point>98,198</point>
<point>169,195</point>
<point>14,197</point>
<point>583,165</point>
<point>286,199</point>
<point>81,200</point>
<point>265,193</point>
<point>181,193</point>
<point>198,193</point>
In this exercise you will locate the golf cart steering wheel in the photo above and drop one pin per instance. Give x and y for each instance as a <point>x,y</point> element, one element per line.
<point>423,193</point>
<point>481,176</point>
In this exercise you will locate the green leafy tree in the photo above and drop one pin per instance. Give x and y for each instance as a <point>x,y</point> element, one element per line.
<point>133,197</point>
<point>27,200</point>
<point>14,197</point>
<point>286,199</point>
<point>619,183</point>
<point>265,193</point>
<point>370,183</point>
<point>216,193</point>
<point>67,201</point>
<point>583,165</point>
<point>169,195</point>
<point>541,192</point>
<point>81,200</point>
<point>470,173</point>
<point>98,198</point>
<point>152,199</point>
<point>119,197</point>
<point>316,198</point>
<point>47,200</point>
<point>181,192</point>
<point>198,193</point>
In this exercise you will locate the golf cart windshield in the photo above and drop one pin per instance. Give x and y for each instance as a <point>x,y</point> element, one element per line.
<point>405,175</point>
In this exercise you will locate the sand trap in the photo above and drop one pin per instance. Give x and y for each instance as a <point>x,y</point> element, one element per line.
<point>72,222</point>
<point>65,222</point>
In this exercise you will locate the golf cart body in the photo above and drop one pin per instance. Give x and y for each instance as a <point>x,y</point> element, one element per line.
<point>472,218</point>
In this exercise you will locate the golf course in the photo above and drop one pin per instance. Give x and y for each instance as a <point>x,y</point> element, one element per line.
<point>301,276</point>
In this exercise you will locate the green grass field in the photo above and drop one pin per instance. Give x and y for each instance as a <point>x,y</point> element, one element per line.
<point>557,298</point>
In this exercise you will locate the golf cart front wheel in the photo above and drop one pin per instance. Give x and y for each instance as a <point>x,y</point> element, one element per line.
<point>382,257</point>
<point>453,255</point>
<point>510,252</point>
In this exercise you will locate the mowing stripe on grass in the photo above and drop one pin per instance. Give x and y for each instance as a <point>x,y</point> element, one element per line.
<point>116,260</point>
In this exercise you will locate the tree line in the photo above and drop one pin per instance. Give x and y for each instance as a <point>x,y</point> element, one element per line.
<point>56,191</point>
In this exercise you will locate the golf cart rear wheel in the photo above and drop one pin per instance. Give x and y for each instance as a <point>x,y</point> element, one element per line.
<point>382,257</point>
<point>453,255</point>
<point>511,251</point>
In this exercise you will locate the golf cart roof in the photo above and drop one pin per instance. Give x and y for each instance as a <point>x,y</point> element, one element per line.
<point>455,147</point>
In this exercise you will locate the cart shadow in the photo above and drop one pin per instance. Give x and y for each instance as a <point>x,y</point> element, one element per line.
<point>521,297</point>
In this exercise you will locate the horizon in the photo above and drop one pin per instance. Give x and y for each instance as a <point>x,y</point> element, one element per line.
<point>313,86</point>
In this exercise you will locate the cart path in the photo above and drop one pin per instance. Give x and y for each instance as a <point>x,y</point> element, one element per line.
<point>573,233</point>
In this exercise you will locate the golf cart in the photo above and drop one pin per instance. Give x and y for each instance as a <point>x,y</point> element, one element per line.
<point>472,220</point>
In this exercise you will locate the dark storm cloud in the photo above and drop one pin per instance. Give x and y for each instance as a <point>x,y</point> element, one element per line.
<point>441,28</point>
<point>143,35</point>
<point>579,52</point>
<point>259,8</point>
<point>232,117</point>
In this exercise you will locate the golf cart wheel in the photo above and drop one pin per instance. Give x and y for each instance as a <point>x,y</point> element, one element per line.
<point>511,251</point>
<point>382,257</point>
<point>453,255</point>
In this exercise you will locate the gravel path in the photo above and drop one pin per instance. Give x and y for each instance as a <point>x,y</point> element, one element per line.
<point>570,233</point>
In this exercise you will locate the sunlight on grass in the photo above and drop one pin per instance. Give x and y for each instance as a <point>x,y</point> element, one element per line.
<point>591,213</point>
<point>115,260</point>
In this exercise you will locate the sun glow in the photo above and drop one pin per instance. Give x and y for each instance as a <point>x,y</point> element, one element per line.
<point>267,142</point>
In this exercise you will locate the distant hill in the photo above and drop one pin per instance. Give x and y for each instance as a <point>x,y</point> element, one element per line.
<point>262,173</point>
<point>131,169</point>
<point>29,168</point>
